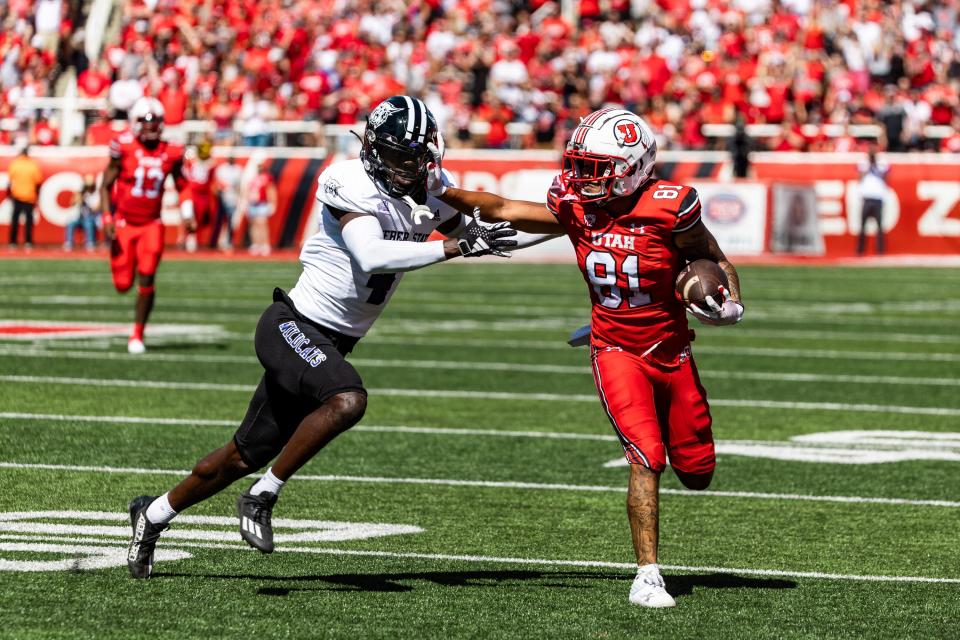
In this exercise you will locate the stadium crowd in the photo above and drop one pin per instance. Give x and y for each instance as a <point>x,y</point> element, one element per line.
<point>482,65</point>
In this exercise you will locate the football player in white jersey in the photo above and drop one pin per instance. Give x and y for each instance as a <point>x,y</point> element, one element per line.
<point>376,217</point>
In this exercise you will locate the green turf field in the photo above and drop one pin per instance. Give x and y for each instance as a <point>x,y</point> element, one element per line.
<point>489,465</point>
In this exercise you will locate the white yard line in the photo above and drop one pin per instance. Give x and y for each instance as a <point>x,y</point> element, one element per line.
<point>546,562</point>
<point>460,365</point>
<point>453,431</point>
<point>492,484</point>
<point>484,395</point>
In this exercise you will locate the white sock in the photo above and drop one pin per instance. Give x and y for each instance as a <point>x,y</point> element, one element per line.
<point>649,569</point>
<point>160,511</point>
<point>269,483</point>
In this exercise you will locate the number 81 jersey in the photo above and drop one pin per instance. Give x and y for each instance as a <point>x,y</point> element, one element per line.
<point>630,264</point>
<point>138,195</point>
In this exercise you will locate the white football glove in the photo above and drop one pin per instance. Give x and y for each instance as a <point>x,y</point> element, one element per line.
<point>435,186</point>
<point>730,312</point>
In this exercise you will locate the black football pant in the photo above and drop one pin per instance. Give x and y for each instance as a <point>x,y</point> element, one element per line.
<point>21,208</point>
<point>872,208</point>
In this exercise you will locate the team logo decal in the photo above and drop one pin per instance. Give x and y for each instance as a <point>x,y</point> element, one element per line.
<point>381,113</point>
<point>332,187</point>
<point>725,208</point>
<point>627,132</point>
<point>845,447</point>
<point>32,541</point>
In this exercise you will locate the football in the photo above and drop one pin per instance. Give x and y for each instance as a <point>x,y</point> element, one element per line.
<point>699,279</point>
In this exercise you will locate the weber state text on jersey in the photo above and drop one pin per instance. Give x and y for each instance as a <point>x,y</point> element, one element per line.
<point>630,264</point>
<point>138,193</point>
<point>333,290</point>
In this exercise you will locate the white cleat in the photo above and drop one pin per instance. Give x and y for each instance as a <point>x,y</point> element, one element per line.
<point>648,589</point>
<point>135,347</point>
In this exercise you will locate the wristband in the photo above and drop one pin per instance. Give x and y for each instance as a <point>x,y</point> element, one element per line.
<point>107,217</point>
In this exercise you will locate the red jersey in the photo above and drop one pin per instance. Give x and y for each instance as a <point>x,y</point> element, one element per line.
<point>630,264</point>
<point>200,174</point>
<point>257,188</point>
<point>138,192</point>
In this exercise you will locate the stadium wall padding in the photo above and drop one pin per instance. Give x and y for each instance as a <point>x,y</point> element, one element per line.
<point>922,212</point>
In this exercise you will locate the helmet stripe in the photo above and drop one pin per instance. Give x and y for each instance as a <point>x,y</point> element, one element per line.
<point>423,119</point>
<point>411,116</point>
<point>593,117</point>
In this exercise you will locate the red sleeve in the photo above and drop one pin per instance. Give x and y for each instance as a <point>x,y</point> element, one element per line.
<point>688,214</point>
<point>555,196</point>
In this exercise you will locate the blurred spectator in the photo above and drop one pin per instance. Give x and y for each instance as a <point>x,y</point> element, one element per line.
<point>25,180</point>
<point>255,113</point>
<point>891,115</point>
<point>94,82</point>
<point>243,64</point>
<point>258,203</point>
<point>199,171</point>
<point>103,129</point>
<point>45,133</point>
<point>740,146</point>
<point>87,202</point>
<point>124,92</point>
<point>47,19</point>
<point>873,189</point>
<point>227,178</point>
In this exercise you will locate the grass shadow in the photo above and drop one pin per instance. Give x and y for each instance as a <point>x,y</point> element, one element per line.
<point>678,585</point>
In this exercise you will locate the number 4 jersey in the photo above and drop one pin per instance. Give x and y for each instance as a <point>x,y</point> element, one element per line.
<point>630,264</point>
<point>333,290</point>
<point>138,193</point>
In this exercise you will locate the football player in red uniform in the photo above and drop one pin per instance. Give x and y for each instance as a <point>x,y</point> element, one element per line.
<point>132,195</point>
<point>632,234</point>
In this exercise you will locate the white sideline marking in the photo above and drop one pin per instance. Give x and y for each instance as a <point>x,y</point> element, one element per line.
<point>481,366</point>
<point>549,562</point>
<point>487,395</point>
<point>491,484</point>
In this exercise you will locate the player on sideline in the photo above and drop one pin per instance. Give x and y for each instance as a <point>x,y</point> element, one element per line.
<point>140,162</point>
<point>632,234</point>
<point>374,223</point>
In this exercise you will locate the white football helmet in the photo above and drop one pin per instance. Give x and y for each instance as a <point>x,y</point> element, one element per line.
<point>609,155</point>
<point>146,119</point>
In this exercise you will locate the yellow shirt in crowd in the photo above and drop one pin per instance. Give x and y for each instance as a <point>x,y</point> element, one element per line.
<point>25,179</point>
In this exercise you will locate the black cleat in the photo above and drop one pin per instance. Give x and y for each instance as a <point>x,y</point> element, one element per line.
<point>145,536</point>
<point>255,513</point>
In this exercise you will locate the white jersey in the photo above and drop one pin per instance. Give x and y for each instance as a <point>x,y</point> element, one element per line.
<point>333,290</point>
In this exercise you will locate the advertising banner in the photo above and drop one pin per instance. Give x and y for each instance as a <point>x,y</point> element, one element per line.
<point>736,214</point>
<point>921,213</point>
<point>796,226</point>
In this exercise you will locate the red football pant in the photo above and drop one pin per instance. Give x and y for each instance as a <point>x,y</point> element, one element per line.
<point>135,249</point>
<point>656,410</point>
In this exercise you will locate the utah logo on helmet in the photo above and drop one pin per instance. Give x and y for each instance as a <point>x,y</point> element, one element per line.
<point>395,151</point>
<point>610,154</point>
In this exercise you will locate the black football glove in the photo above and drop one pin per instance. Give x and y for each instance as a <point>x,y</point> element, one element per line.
<point>480,239</point>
